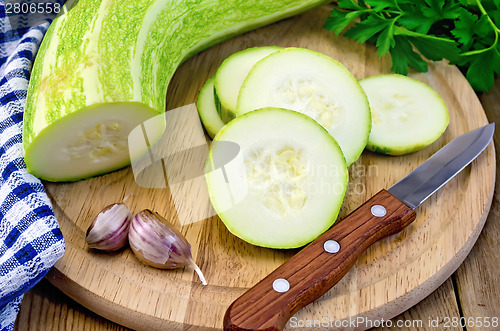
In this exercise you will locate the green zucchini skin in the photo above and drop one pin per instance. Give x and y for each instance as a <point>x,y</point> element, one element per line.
<point>112,52</point>
<point>207,109</point>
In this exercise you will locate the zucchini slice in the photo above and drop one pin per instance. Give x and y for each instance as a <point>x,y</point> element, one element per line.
<point>407,115</point>
<point>207,110</point>
<point>316,85</point>
<point>89,142</point>
<point>295,176</point>
<point>231,74</point>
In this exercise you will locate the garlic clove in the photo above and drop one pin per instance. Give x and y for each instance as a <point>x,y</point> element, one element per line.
<point>159,245</point>
<point>109,230</point>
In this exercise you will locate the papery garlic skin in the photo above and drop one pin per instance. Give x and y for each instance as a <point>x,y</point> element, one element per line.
<point>159,245</point>
<point>109,230</point>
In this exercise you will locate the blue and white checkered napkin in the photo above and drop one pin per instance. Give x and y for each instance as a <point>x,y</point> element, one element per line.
<point>30,238</point>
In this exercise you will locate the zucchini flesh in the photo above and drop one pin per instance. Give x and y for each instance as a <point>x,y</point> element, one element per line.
<point>230,76</point>
<point>120,52</point>
<point>87,142</point>
<point>407,114</point>
<point>295,175</point>
<point>207,110</point>
<point>316,85</point>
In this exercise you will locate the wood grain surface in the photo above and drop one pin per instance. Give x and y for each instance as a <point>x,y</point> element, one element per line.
<point>388,279</point>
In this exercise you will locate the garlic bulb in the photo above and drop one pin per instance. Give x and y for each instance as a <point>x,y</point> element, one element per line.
<point>109,230</point>
<point>159,245</point>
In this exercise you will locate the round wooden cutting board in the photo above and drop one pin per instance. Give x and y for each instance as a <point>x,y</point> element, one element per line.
<point>390,276</point>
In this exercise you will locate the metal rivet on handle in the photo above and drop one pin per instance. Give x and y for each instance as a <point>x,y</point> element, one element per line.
<point>378,211</point>
<point>281,285</point>
<point>331,246</point>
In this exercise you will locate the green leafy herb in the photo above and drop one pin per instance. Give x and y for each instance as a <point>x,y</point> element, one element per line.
<point>465,32</point>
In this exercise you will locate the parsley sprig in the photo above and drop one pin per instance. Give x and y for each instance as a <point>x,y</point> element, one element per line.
<point>465,32</point>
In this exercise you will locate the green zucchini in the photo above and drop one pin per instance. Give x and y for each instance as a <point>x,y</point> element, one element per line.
<point>207,110</point>
<point>105,66</point>
<point>316,85</point>
<point>407,114</point>
<point>292,171</point>
<point>230,76</point>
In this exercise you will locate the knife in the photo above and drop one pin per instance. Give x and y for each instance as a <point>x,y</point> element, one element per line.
<point>319,266</point>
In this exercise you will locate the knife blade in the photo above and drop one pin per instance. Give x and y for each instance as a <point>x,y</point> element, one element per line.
<point>320,265</point>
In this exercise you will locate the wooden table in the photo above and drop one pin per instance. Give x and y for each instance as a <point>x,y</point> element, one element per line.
<point>471,292</point>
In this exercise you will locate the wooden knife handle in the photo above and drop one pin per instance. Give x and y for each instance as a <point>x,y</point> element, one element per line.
<point>313,271</point>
